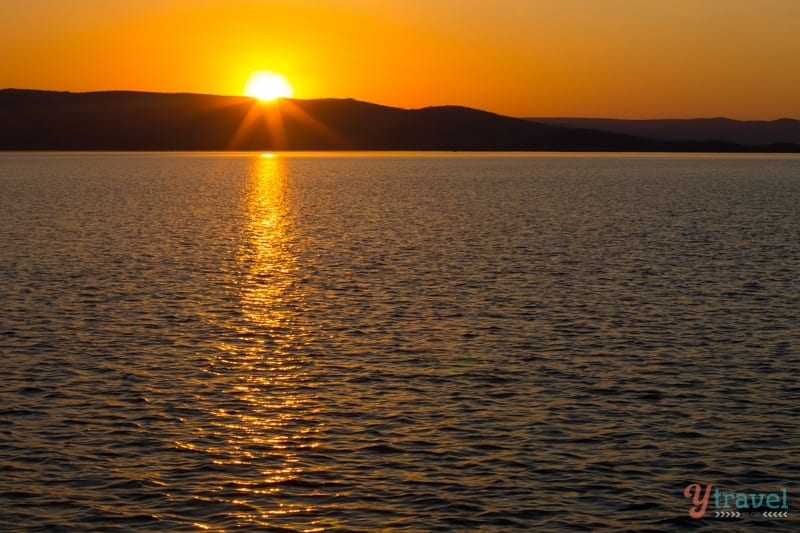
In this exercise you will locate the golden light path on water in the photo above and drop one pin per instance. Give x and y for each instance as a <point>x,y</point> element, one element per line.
<point>269,408</point>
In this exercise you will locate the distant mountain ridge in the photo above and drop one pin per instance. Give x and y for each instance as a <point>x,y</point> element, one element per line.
<point>748,133</point>
<point>131,120</point>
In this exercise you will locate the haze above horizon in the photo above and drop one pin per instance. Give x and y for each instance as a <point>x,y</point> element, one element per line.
<point>615,58</point>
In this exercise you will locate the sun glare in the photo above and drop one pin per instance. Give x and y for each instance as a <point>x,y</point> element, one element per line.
<point>266,86</point>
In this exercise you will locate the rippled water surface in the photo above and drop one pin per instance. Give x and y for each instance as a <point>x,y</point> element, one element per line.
<point>399,342</point>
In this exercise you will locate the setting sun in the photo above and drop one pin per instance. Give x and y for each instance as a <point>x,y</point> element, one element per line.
<point>266,85</point>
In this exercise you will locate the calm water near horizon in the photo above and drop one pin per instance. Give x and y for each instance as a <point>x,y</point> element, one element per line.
<point>418,342</point>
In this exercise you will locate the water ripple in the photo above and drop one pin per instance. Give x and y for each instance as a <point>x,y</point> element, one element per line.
<point>196,342</point>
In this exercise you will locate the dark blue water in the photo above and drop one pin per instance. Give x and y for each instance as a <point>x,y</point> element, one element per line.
<point>400,342</point>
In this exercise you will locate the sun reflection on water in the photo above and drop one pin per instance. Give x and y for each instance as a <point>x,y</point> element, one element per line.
<point>267,260</point>
<point>264,417</point>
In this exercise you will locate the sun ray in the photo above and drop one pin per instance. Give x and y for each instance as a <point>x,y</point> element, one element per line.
<point>271,118</point>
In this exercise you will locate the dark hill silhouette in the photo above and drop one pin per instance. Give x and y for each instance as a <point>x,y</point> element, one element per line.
<point>127,120</point>
<point>749,133</point>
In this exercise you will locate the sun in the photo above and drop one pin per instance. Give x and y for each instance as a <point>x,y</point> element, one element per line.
<point>266,86</point>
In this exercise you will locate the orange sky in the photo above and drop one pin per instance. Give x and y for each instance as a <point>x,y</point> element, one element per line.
<point>593,58</point>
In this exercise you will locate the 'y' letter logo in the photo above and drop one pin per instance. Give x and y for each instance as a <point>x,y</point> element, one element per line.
<point>693,492</point>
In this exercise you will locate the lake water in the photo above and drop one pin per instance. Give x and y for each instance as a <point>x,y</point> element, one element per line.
<point>420,342</point>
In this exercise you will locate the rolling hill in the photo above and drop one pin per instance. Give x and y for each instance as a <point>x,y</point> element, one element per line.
<point>748,133</point>
<point>129,120</point>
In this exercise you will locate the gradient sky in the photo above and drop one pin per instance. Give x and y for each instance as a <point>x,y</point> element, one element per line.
<point>591,58</point>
